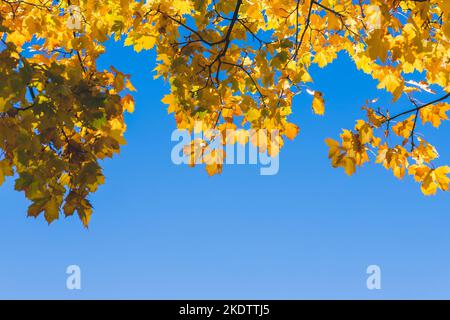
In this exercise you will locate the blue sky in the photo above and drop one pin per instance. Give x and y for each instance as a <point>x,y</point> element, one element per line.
<point>162,231</point>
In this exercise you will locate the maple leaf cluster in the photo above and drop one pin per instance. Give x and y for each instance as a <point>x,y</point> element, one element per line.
<point>234,64</point>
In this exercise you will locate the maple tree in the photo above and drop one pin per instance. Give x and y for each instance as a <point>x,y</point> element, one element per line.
<point>231,64</point>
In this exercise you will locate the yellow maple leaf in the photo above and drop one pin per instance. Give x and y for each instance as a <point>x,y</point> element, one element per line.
<point>318,104</point>
<point>128,103</point>
<point>253,114</point>
<point>435,114</point>
<point>404,128</point>
<point>291,131</point>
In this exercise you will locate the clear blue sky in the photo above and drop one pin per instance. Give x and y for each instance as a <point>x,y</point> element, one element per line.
<point>162,231</point>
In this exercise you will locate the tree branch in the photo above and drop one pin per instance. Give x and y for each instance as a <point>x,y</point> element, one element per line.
<point>417,108</point>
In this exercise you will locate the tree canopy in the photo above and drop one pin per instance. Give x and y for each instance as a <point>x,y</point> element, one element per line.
<point>231,64</point>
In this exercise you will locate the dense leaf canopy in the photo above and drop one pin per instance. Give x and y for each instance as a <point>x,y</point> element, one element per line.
<point>231,64</point>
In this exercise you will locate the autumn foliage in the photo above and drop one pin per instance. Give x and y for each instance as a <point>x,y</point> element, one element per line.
<point>230,64</point>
